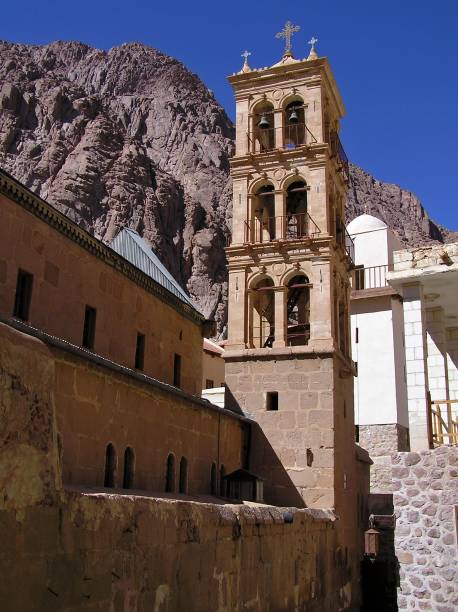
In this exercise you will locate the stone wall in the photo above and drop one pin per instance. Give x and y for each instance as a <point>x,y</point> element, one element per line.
<point>72,550</point>
<point>425,488</point>
<point>71,270</point>
<point>381,441</point>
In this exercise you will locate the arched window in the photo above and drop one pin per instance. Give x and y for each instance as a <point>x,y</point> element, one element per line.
<point>262,316</point>
<point>295,132</point>
<point>263,128</point>
<point>297,219</point>
<point>110,466</point>
<point>170,474</point>
<point>298,310</point>
<point>183,475</point>
<point>262,226</point>
<point>222,482</point>
<point>213,479</point>
<point>128,477</point>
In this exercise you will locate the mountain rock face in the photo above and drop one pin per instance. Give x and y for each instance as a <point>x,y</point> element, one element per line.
<point>130,137</point>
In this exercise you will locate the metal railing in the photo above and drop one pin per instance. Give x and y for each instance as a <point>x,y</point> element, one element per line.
<point>263,337</point>
<point>287,227</point>
<point>338,151</point>
<point>262,140</point>
<point>442,422</point>
<point>298,335</point>
<point>372,277</point>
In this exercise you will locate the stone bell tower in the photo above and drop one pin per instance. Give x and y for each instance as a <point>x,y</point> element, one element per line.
<point>288,362</point>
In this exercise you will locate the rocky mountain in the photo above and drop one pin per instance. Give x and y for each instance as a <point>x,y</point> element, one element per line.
<point>131,137</point>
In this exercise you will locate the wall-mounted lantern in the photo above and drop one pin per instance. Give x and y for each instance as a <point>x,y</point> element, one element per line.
<point>371,543</point>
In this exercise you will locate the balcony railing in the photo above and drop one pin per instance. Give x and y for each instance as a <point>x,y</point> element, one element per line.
<point>289,227</point>
<point>442,422</point>
<point>262,140</point>
<point>338,151</point>
<point>372,277</point>
<point>298,335</point>
<point>263,337</point>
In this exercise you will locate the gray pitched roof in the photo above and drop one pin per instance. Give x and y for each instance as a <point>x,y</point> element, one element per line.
<point>132,247</point>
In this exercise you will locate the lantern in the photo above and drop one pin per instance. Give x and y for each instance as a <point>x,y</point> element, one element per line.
<point>371,542</point>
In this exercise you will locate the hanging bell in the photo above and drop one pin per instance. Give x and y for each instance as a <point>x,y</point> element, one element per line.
<point>263,124</point>
<point>294,117</point>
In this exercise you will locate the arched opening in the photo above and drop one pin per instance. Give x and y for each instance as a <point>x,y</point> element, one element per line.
<point>298,311</point>
<point>297,219</point>
<point>128,477</point>
<point>294,125</point>
<point>222,482</point>
<point>170,474</point>
<point>183,487</point>
<point>263,215</point>
<point>263,128</point>
<point>262,314</point>
<point>213,479</point>
<point>110,466</point>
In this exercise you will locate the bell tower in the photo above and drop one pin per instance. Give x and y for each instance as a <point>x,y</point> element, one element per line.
<point>288,363</point>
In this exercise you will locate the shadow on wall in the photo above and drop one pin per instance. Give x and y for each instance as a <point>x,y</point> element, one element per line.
<point>262,460</point>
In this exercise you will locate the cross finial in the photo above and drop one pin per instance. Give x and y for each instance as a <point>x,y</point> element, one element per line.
<point>287,34</point>
<point>313,54</point>
<point>245,67</point>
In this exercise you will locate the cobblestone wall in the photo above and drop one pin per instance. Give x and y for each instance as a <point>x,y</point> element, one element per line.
<point>381,441</point>
<point>425,499</point>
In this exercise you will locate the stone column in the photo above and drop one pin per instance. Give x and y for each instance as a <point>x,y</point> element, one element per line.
<point>320,303</point>
<point>416,364</point>
<point>452,361</point>
<point>437,360</point>
<point>278,125</point>
<point>236,327</point>
<point>280,212</point>
<point>280,316</point>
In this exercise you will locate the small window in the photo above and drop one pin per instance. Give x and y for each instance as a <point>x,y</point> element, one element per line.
<point>209,384</point>
<point>272,400</point>
<point>177,370</point>
<point>128,479</point>
<point>140,352</point>
<point>183,475</point>
<point>213,479</point>
<point>23,295</point>
<point>170,474</point>
<point>110,466</point>
<point>357,433</point>
<point>222,482</point>
<point>89,327</point>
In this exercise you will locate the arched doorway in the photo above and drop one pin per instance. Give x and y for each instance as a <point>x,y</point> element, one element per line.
<point>110,466</point>
<point>183,485</point>
<point>262,316</point>
<point>129,460</point>
<point>297,219</point>
<point>263,215</point>
<point>263,128</point>
<point>170,474</point>
<point>298,310</point>
<point>294,125</point>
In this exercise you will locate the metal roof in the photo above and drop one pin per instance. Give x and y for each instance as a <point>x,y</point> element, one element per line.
<point>132,247</point>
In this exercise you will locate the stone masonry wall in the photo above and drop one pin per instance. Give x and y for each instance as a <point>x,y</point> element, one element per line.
<point>381,441</point>
<point>70,550</point>
<point>425,488</point>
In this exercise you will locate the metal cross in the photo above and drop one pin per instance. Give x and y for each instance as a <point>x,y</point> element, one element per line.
<point>287,33</point>
<point>313,42</point>
<point>246,55</point>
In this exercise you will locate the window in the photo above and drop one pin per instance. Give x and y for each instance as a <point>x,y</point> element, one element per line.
<point>213,479</point>
<point>128,479</point>
<point>222,482</point>
<point>209,384</point>
<point>183,475</point>
<point>272,400</point>
<point>262,332</point>
<point>140,352</point>
<point>89,327</point>
<point>298,311</point>
<point>23,295</point>
<point>170,474</point>
<point>177,370</point>
<point>110,466</point>
<point>357,433</point>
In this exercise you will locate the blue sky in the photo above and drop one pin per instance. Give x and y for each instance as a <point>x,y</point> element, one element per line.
<point>395,61</point>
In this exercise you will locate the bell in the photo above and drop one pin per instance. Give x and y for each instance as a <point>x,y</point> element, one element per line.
<point>293,118</point>
<point>263,124</point>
